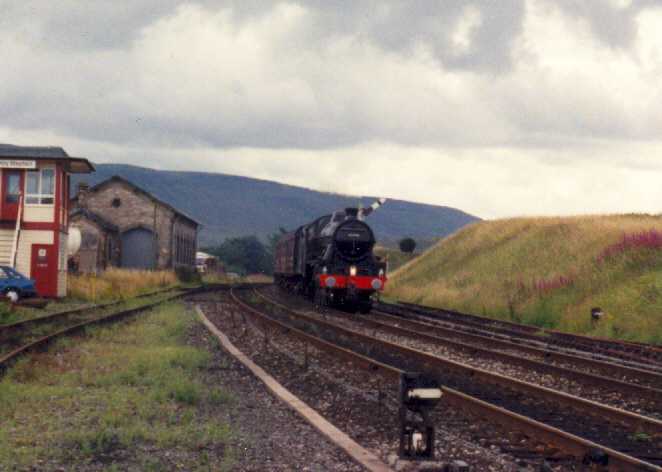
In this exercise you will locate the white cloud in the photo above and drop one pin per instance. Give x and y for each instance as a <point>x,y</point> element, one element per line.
<point>339,99</point>
<point>462,36</point>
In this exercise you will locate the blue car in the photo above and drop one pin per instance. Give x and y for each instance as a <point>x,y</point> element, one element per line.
<point>15,285</point>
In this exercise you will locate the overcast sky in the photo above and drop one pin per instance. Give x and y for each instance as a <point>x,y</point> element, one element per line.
<point>496,107</point>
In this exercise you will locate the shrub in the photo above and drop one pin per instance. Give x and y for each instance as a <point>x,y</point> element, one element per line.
<point>407,245</point>
<point>245,255</point>
<point>187,275</point>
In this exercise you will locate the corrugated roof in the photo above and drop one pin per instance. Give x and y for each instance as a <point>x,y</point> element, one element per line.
<point>48,152</point>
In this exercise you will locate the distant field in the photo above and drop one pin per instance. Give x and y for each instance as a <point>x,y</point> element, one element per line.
<point>548,272</point>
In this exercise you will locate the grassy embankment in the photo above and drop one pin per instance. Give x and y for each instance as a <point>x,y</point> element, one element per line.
<point>395,257</point>
<point>128,396</point>
<point>548,272</point>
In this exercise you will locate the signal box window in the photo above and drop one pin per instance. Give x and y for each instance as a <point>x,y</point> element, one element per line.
<point>40,187</point>
<point>13,188</point>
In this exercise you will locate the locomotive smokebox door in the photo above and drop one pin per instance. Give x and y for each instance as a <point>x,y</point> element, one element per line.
<point>418,396</point>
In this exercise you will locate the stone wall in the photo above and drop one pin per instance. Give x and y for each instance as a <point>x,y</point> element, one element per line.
<point>122,205</point>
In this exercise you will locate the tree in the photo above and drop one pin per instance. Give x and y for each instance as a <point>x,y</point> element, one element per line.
<point>407,245</point>
<point>274,238</point>
<point>246,255</point>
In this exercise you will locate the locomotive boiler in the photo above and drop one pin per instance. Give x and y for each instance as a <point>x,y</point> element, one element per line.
<point>331,260</point>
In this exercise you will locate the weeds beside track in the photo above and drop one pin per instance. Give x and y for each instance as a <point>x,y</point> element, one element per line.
<point>139,396</point>
<point>22,337</point>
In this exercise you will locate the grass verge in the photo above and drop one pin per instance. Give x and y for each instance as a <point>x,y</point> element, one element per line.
<point>126,397</point>
<point>116,283</point>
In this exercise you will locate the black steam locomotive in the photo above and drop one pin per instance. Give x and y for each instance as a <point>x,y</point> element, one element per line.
<point>331,260</point>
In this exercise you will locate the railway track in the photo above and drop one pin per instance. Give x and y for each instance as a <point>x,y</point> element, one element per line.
<point>32,334</point>
<point>635,397</point>
<point>576,425</point>
<point>597,367</point>
<point>333,381</point>
<point>636,355</point>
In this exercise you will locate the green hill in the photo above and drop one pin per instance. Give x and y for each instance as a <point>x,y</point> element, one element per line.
<point>230,206</point>
<point>547,272</point>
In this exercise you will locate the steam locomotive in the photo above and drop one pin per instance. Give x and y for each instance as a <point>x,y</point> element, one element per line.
<point>331,260</point>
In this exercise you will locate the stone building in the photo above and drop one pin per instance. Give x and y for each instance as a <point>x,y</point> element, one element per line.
<point>123,225</point>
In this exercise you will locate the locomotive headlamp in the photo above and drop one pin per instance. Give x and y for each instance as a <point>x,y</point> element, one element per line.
<point>353,271</point>
<point>325,270</point>
<point>381,272</point>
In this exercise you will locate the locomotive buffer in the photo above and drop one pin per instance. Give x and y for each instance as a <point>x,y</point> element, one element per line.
<point>418,397</point>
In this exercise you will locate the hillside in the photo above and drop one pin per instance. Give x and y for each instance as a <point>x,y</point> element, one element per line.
<point>229,206</point>
<point>548,272</point>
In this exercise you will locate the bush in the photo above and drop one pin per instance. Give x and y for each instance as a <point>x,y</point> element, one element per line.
<point>407,245</point>
<point>245,255</point>
<point>187,275</point>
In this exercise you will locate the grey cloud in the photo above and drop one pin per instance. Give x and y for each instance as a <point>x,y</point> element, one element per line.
<point>613,26</point>
<point>400,26</point>
<point>83,25</point>
<point>95,83</point>
<point>397,26</point>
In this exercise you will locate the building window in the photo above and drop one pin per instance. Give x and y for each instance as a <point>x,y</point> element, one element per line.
<point>116,203</point>
<point>40,187</point>
<point>13,188</point>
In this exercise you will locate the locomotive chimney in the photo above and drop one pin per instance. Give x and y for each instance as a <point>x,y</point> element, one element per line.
<point>351,212</point>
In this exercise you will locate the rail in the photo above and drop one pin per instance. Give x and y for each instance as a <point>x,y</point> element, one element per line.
<point>572,444</point>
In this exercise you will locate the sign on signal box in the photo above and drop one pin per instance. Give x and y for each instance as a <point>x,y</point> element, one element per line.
<point>17,164</point>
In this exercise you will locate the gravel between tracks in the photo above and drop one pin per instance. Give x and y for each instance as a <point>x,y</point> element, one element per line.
<point>357,411</point>
<point>486,341</point>
<point>603,432</point>
<point>494,331</point>
<point>267,435</point>
<point>563,384</point>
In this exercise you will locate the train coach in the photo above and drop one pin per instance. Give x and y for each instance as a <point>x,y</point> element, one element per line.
<point>331,260</point>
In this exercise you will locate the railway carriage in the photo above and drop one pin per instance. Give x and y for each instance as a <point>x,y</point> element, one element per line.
<point>331,260</point>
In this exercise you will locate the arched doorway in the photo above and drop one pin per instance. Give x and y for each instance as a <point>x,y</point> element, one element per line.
<point>138,249</point>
